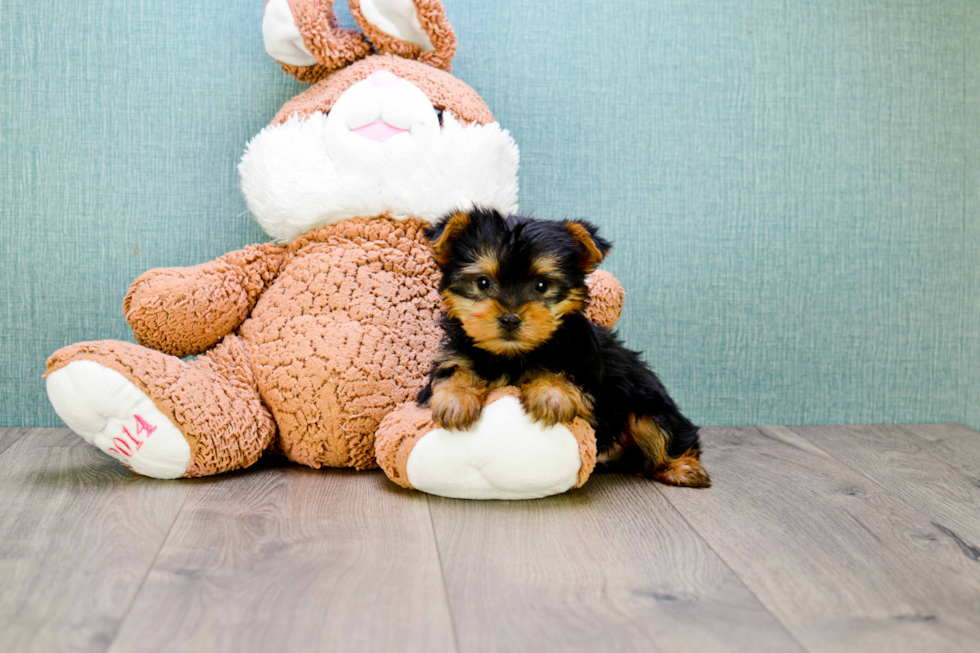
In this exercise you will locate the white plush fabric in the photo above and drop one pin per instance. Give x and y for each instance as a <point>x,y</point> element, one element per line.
<point>305,173</point>
<point>281,37</point>
<point>101,405</point>
<point>398,18</point>
<point>503,456</point>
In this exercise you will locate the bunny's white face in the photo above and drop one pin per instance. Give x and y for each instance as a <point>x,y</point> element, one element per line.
<point>384,124</point>
<point>383,148</point>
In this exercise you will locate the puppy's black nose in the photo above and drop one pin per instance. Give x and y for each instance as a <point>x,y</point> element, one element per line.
<point>509,321</point>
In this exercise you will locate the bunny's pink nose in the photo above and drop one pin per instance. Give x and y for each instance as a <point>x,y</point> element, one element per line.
<point>382,78</point>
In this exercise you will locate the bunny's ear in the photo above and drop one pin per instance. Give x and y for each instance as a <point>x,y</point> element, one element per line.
<point>412,29</point>
<point>305,37</point>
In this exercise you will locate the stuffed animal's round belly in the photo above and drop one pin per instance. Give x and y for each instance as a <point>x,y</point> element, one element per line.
<point>346,333</point>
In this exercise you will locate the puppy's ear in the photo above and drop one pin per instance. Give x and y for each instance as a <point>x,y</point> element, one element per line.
<point>594,247</point>
<point>442,234</point>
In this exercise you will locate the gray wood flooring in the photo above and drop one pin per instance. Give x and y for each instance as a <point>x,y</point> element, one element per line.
<point>849,538</point>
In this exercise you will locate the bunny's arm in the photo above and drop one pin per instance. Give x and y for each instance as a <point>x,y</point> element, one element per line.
<point>605,299</point>
<point>184,311</point>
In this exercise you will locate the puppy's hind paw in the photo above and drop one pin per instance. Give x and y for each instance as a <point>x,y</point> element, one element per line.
<point>683,471</point>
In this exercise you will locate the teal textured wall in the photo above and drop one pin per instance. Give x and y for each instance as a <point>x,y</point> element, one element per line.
<point>793,187</point>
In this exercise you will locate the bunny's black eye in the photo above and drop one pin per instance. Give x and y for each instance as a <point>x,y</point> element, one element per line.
<point>541,287</point>
<point>484,283</point>
<point>439,116</point>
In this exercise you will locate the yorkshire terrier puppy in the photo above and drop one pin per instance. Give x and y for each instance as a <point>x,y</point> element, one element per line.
<point>514,291</point>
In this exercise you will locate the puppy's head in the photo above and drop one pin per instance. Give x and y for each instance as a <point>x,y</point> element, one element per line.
<point>511,280</point>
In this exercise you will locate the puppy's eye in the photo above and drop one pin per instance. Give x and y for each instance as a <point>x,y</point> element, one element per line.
<point>439,116</point>
<point>541,287</point>
<point>484,283</point>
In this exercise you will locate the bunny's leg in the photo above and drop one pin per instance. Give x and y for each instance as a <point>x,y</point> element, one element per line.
<point>158,415</point>
<point>504,455</point>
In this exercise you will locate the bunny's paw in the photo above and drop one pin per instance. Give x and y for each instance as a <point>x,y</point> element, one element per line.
<point>111,413</point>
<point>506,454</point>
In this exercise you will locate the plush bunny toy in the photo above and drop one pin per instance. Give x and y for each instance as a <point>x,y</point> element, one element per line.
<point>308,343</point>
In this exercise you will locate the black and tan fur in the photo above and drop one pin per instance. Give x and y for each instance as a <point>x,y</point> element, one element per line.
<point>514,291</point>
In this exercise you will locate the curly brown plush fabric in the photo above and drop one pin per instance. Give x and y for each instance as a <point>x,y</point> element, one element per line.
<point>587,449</point>
<point>184,311</point>
<point>397,435</point>
<point>444,91</point>
<point>606,299</point>
<point>332,46</point>
<point>344,334</point>
<point>432,18</point>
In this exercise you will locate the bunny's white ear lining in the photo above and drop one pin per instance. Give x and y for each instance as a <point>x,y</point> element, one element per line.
<point>282,39</point>
<point>399,18</point>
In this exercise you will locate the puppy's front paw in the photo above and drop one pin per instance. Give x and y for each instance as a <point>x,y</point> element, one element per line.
<point>456,407</point>
<point>553,400</point>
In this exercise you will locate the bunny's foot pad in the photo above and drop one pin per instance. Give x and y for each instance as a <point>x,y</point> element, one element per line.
<point>505,455</point>
<point>110,412</point>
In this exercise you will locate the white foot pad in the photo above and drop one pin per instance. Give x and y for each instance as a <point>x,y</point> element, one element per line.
<point>108,411</point>
<point>503,456</point>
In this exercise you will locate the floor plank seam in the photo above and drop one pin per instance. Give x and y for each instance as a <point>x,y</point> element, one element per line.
<point>442,576</point>
<point>725,562</point>
<point>919,510</point>
<point>149,570</point>
<point>7,440</point>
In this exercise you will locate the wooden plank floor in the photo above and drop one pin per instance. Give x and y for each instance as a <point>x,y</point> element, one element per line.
<point>858,538</point>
